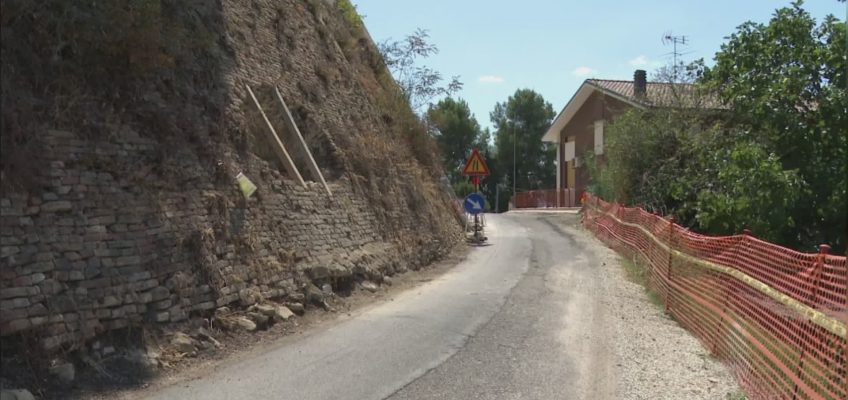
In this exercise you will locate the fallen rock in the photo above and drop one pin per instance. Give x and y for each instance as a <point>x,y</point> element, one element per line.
<point>266,309</point>
<point>244,323</point>
<point>147,358</point>
<point>314,295</point>
<point>222,310</point>
<point>367,272</point>
<point>16,394</point>
<point>202,334</point>
<point>387,280</point>
<point>339,271</point>
<point>184,343</point>
<point>318,272</point>
<point>260,319</point>
<point>369,286</point>
<point>282,313</point>
<point>64,371</point>
<point>297,308</point>
<point>249,296</point>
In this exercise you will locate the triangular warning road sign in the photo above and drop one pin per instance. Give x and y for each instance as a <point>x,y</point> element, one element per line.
<point>475,165</point>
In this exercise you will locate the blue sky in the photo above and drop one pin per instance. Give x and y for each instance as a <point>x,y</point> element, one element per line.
<point>552,46</point>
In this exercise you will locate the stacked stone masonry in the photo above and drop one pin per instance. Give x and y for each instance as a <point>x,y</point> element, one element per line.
<point>99,250</point>
<point>122,230</point>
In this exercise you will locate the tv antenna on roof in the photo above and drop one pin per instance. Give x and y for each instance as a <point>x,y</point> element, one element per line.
<point>667,38</point>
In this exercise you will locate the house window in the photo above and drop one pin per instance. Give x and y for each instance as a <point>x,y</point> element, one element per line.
<point>569,151</point>
<point>599,137</point>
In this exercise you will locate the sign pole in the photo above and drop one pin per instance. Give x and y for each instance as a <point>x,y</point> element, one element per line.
<point>475,203</point>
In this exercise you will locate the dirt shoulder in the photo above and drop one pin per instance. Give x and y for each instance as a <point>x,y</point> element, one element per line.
<point>655,358</point>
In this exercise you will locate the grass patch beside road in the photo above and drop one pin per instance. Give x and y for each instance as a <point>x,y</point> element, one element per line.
<point>637,272</point>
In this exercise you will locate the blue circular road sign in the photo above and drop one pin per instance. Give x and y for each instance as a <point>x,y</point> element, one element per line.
<point>474,203</point>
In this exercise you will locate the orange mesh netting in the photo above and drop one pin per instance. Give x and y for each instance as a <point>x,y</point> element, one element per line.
<point>545,199</point>
<point>775,316</point>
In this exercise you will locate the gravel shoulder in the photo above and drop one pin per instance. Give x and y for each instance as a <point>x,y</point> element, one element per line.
<point>655,357</point>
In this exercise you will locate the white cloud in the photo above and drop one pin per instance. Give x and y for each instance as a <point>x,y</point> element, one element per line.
<point>490,79</point>
<point>643,61</point>
<point>584,71</point>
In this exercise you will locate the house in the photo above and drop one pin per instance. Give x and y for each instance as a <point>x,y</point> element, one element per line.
<point>579,127</point>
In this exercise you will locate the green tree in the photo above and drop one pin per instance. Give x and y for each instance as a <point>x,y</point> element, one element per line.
<point>456,131</point>
<point>748,188</point>
<point>521,122</point>
<point>786,83</point>
<point>774,161</point>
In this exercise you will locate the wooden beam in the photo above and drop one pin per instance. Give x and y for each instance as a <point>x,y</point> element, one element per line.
<point>310,161</point>
<point>280,149</point>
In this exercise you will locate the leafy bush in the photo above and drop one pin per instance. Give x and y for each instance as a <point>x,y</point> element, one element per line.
<point>749,189</point>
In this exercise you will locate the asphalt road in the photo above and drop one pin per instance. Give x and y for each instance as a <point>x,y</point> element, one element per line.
<point>521,318</point>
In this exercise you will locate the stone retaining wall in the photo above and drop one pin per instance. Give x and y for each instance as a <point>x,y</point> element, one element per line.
<point>108,244</point>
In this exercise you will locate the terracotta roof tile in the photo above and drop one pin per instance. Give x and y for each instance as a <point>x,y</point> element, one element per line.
<point>660,94</point>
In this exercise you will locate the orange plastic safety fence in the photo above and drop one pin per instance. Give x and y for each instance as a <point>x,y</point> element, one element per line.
<point>775,316</point>
<point>546,199</point>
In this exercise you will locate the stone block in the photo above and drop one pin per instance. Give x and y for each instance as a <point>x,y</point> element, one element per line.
<point>37,321</point>
<point>117,324</point>
<point>160,293</point>
<point>94,262</point>
<point>43,266</point>
<point>37,278</point>
<point>144,298</point>
<point>177,314</point>
<point>8,293</point>
<point>15,326</point>
<point>119,312</point>
<point>55,206</point>
<point>50,287</point>
<point>20,302</point>
<point>37,310</point>
<point>206,305</point>
<point>55,329</point>
<point>6,251</point>
<point>163,316</point>
<point>102,220</point>
<point>110,301</point>
<point>138,276</point>
<point>127,260</point>
<point>92,272</point>
<point>9,315</point>
<point>25,280</point>
<point>162,304</point>
<point>143,285</point>
<point>62,304</point>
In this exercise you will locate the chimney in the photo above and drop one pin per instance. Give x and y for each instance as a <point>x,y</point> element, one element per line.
<point>640,84</point>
